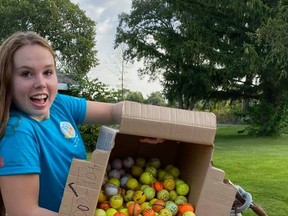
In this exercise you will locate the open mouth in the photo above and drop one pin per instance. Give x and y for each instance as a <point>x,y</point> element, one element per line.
<point>39,99</point>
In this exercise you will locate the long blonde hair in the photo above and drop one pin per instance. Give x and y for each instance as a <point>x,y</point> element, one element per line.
<point>7,52</point>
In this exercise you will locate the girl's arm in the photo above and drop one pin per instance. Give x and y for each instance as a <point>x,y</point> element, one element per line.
<point>103,113</point>
<point>20,195</point>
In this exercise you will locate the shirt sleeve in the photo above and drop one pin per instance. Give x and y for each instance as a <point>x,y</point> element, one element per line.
<point>77,106</point>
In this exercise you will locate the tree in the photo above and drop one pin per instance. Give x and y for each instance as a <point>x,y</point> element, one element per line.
<point>156,98</point>
<point>119,65</point>
<point>206,50</point>
<point>135,96</point>
<point>119,94</point>
<point>270,115</point>
<point>63,23</point>
<point>195,49</point>
<point>93,90</point>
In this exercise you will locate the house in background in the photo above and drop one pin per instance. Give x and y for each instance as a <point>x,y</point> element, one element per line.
<point>63,82</point>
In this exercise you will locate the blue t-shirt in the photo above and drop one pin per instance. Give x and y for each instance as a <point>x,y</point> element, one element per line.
<point>45,148</point>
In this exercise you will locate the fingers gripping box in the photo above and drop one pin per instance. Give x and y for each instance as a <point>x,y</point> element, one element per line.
<point>189,143</point>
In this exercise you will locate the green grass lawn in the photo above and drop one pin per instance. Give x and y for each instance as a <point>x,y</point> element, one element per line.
<point>258,165</point>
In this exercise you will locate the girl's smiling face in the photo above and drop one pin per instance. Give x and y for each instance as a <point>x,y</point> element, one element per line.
<point>34,81</point>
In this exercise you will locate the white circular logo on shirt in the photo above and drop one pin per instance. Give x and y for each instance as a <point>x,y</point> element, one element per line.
<point>67,129</point>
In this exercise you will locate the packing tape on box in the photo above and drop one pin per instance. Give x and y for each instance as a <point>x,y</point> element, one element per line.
<point>106,138</point>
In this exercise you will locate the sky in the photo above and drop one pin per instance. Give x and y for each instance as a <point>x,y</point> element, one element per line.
<point>105,14</point>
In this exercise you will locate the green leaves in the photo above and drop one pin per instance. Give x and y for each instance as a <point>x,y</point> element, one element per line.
<point>212,50</point>
<point>64,24</point>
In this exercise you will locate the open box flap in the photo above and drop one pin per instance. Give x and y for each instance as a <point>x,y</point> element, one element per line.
<point>168,123</point>
<point>216,196</point>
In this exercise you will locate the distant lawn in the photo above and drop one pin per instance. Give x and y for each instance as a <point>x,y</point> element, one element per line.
<point>258,165</point>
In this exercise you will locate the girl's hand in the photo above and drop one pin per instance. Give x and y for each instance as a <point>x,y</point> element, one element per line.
<point>151,140</point>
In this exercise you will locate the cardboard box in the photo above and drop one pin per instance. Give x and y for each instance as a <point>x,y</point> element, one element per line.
<point>85,178</point>
<point>189,143</point>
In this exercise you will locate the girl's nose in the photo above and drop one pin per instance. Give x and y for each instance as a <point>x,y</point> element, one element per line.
<point>39,82</point>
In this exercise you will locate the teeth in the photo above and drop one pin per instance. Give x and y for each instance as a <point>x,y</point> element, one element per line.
<point>39,97</point>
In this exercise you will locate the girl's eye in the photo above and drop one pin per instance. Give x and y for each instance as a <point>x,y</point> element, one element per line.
<point>26,74</point>
<point>48,72</point>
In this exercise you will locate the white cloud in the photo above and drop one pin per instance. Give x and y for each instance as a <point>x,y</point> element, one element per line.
<point>105,27</point>
<point>95,11</point>
<point>105,14</point>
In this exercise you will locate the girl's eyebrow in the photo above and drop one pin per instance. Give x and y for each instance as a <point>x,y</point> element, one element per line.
<point>28,67</point>
<point>22,67</point>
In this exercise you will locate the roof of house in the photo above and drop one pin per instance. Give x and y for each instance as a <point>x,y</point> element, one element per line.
<point>63,80</point>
